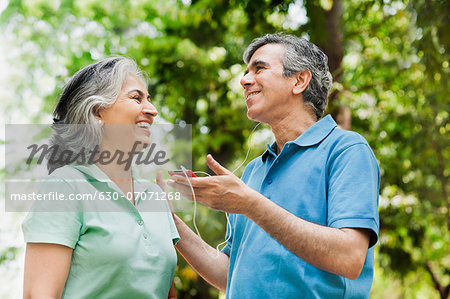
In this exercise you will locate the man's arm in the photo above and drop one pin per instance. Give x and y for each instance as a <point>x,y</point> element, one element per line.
<point>203,258</point>
<point>339,251</point>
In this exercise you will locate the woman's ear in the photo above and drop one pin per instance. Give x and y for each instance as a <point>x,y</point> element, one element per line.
<point>302,80</point>
<point>97,114</point>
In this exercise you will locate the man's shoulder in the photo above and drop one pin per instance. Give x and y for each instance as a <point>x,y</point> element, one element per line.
<point>250,167</point>
<point>340,138</point>
<point>350,144</point>
<point>255,161</point>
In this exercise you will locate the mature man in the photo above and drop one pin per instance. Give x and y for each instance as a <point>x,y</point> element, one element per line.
<point>304,216</point>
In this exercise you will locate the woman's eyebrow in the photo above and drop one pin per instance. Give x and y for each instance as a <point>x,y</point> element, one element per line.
<point>141,94</point>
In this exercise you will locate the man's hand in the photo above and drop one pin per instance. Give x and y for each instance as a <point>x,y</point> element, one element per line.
<point>224,192</point>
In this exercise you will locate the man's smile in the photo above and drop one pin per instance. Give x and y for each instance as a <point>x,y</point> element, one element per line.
<point>250,94</point>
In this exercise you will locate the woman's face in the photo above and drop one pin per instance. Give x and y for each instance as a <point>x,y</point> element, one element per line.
<point>128,120</point>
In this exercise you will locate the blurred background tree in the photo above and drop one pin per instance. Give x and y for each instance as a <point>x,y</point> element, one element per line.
<point>390,63</point>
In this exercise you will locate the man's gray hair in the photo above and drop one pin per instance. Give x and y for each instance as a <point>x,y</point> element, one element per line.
<point>93,88</point>
<point>300,55</point>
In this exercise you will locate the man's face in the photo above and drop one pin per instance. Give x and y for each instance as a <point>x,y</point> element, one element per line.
<point>268,94</point>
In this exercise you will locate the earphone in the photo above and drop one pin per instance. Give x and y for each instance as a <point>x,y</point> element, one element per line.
<point>226,214</point>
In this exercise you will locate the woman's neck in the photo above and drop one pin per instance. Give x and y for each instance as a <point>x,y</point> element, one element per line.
<point>118,173</point>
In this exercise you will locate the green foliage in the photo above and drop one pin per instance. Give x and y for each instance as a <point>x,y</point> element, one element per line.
<point>9,254</point>
<point>395,80</point>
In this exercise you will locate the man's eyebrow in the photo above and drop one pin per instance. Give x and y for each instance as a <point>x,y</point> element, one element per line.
<point>255,64</point>
<point>258,63</point>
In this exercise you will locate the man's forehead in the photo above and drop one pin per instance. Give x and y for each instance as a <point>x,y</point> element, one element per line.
<point>268,53</point>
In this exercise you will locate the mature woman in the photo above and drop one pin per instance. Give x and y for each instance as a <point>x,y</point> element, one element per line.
<point>112,248</point>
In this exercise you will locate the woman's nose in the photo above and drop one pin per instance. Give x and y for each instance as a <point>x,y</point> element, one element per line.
<point>149,110</point>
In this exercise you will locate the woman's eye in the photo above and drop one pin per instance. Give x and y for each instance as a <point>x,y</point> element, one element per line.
<point>137,98</point>
<point>258,68</point>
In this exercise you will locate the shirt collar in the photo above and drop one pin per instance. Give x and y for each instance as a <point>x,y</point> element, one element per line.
<point>95,173</point>
<point>317,132</point>
<point>314,135</point>
<point>271,150</point>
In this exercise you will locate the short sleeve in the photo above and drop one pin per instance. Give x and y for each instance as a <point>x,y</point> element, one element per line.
<point>42,225</point>
<point>353,188</point>
<point>173,229</point>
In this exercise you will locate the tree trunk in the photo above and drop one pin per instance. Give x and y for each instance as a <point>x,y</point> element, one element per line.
<point>334,47</point>
<point>325,29</point>
<point>443,290</point>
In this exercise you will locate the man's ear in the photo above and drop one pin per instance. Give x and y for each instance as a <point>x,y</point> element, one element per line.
<point>302,80</point>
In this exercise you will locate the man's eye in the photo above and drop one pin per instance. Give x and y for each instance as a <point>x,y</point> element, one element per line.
<point>137,98</point>
<point>258,68</point>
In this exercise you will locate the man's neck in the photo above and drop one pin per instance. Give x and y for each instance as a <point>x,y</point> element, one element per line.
<point>290,127</point>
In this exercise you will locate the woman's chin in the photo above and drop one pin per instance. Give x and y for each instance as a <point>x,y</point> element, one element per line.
<point>143,140</point>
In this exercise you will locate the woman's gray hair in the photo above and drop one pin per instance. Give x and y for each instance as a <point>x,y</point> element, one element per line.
<point>93,88</point>
<point>300,55</point>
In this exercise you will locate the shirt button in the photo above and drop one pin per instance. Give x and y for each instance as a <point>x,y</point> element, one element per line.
<point>269,181</point>
<point>140,222</point>
<point>145,236</point>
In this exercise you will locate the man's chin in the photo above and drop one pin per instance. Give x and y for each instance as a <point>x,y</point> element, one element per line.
<point>252,114</point>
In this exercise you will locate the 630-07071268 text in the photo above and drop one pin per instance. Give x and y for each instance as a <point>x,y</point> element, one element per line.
<point>108,195</point>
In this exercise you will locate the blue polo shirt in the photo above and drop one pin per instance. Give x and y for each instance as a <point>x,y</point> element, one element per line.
<point>327,176</point>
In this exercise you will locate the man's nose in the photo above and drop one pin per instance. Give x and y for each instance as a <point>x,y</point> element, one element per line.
<point>247,80</point>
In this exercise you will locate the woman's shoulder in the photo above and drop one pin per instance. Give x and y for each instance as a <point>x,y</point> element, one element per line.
<point>67,172</point>
<point>66,179</point>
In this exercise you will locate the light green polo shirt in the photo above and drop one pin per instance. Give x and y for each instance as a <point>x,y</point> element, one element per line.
<point>119,251</point>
